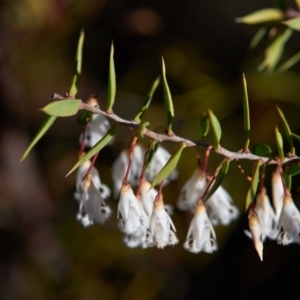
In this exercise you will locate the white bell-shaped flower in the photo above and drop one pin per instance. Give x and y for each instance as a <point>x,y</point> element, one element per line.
<point>192,190</point>
<point>255,229</point>
<point>290,222</point>
<point>162,229</point>
<point>220,208</point>
<point>120,165</point>
<point>277,192</point>
<point>201,235</point>
<point>147,196</point>
<point>93,208</point>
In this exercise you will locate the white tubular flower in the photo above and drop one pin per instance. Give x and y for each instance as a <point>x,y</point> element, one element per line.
<point>290,222</point>
<point>220,208</point>
<point>137,239</point>
<point>131,211</point>
<point>192,190</point>
<point>277,192</point>
<point>120,166</point>
<point>81,172</point>
<point>158,161</point>
<point>162,229</point>
<point>93,208</point>
<point>201,235</point>
<point>147,197</point>
<point>255,229</point>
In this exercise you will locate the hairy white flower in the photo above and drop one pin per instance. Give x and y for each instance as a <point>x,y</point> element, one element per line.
<point>201,235</point>
<point>162,229</point>
<point>81,173</point>
<point>147,197</point>
<point>192,190</point>
<point>255,229</point>
<point>158,161</point>
<point>290,222</point>
<point>132,214</point>
<point>220,208</point>
<point>92,208</point>
<point>120,166</point>
<point>277,192</point>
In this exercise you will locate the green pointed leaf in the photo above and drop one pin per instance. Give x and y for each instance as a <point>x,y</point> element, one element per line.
<point>261,150</point>
<point>94,150</point>
<point>77,68</point>
<point>85,116</point>
<point>111,81</point>
<point>168,99</point>
<point>44,128</point>
<point>146,103</point>
<point>261,33</point>
<point>274,51</point>
<point>288,181</point>
<point>204,126</point>
<point>292,169</point>
<point>296,137</point>
<point>279,143</point>
<point>293,23</point>
<point>246,115</point>
<point>254,183</point>
<point>62,108</point>
<point>262,16</point>
<point>216,128</point>
<point>219,179</point>
<point>289,63</point>
<point>282,4</point>
<point>169,167</point>
<point>298,4</point>
<point>152,150</point>
<point>287,130</point>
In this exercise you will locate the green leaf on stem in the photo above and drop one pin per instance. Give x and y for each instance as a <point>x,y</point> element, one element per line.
<point>204,125</point>
<point>292,169</point>
<point>254,183</point>
<point>288,181</point>
<point>287,130</point>
<point>216,128</point>
<point>152,149</point>
<point>298,4</point>
<point>293,23</point>
<point>111,81</point>
<point>275,50</point>
<point>85,116</point>
<point>296,137</point>
<point>261,33</point>
<point>219,179</point>
<point>62,108</point>
<point>44,128</point>
<point>168,100</point>
<point>289,63</point>
<point>77,67</point>
<point>246,115</point>
<point>262,16</point>
<point>96,148</point>
<point>279,143</point>
<point>261,150</point>
<point>169,166</point>
<point>146,103</point>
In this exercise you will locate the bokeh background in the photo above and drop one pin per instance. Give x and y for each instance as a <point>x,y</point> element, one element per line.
<point>44,252</point>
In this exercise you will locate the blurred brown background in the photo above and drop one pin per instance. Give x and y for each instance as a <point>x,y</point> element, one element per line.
<point>44,252</point>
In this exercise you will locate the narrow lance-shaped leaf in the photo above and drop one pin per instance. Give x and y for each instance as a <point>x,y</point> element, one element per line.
<point>296,137</point>
<point>279,143</point>
<point>62,108</point>
<point>96,148</point>
<point>246,115</point>
<point>254,183</point>
<point>217,132</point>
<point>293,169</point>
<point>289,63</point>
<point>111,81</point>
<point>153,147</point>
<point>44,128</point>
<point>293,23</point>
<point>146,103</point>
<point>287,130</point>
<point>219,179</point>
<point>169,166</point>
<point>77,68</point>
<point>274,51</point>
<point>288,181</point>
<point>298,4</point>
<point>262,16</point>
<point>168,100</point>
<point>204,125</point>
<point>261,33</point>
<point>261,150</point>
